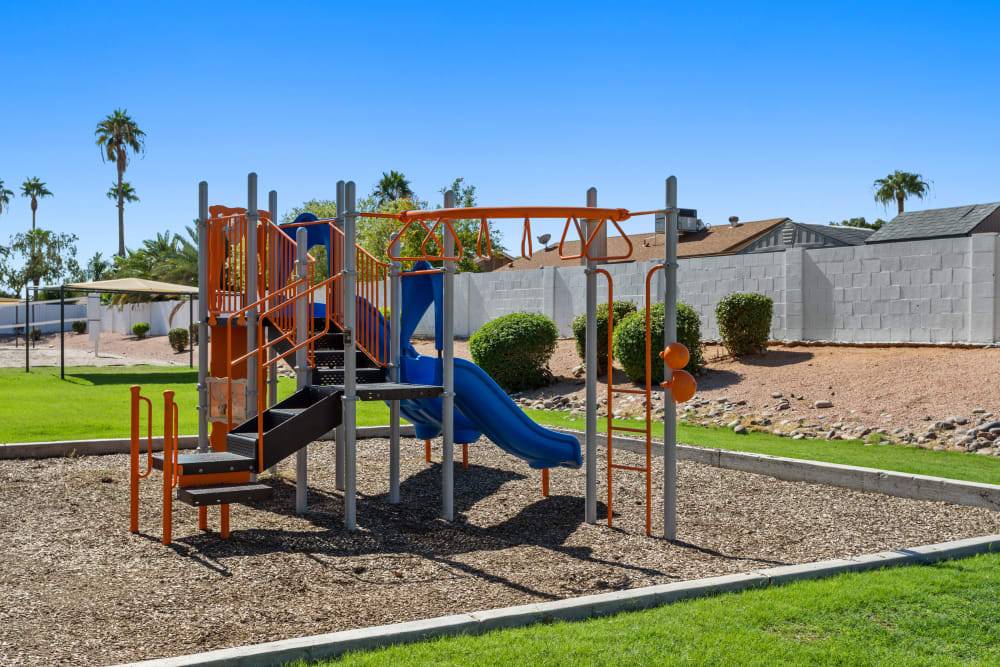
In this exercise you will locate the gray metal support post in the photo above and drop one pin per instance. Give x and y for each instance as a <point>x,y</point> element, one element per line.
<point>591,374</point>
<point>301,361</point>
<point>669,336</point>
<point>448,372</point>
<point>350,398</point>
<point>272,380</point>
<point>203,444</point>
<point>251,293</point>
<point>339,439</point>
<point>62,332</point>
<point>190,335</point>
<point>395,319</point>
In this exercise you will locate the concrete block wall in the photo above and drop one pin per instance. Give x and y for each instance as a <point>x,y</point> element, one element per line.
<point>935,291</point>
<point>157,314</point>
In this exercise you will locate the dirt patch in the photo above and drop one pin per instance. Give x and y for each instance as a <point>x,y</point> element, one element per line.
<point>78,588</point>
<point>114,349</point>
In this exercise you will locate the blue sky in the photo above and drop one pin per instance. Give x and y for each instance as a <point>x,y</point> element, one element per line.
<point>761,110</point>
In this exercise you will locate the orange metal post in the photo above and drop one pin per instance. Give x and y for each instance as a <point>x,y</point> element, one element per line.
<point>224,521</point>
<point>465,455</point>
<point>168,463</point>
<point>545,482</point>
<point>134,463</point>
<point>427,450</point>
<point>203,518</point>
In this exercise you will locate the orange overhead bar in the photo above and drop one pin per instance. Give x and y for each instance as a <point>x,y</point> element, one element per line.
<point>473,212</point>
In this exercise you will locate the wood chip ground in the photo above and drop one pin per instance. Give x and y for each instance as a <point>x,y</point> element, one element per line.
<point>77,588</point>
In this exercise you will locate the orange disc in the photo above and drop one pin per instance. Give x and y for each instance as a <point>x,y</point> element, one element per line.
<point>682,386</point>
<point>676,356</point>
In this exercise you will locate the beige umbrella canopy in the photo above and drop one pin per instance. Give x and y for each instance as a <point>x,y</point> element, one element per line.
<point>133,285</point>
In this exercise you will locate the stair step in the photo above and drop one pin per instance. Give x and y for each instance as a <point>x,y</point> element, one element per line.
<point>242,444</point>
<point>392,391</point>
<point>335,376</point>
<point>208,462</point>
<point>223,494</point>
<point>331,359</point>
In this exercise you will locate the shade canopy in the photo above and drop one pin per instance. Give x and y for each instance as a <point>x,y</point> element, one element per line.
<point>133,286</point>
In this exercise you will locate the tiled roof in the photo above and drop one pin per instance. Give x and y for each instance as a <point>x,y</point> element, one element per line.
<point>933,223</point>
<point>846,235</point>
<point>721,240</point>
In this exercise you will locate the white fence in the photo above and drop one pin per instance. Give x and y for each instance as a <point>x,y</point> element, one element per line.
<point>162,316</point>
<point>936,291</point>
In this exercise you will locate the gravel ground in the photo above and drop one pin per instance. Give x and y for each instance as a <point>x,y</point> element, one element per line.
<point>77,588</point>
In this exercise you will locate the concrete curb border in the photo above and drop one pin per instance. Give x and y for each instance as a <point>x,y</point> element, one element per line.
<point>904,485</point>
<point>41,450</point>
<point>337,643</point>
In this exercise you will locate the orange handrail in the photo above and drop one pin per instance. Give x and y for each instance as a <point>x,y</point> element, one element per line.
<point>526,234</point>
<point>168,464</point>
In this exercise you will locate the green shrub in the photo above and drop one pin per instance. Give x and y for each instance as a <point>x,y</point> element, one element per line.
<point>620,310</point>
<point>140,329</point>
<point>80,326</point>
<point>744,323</point>
<point>36,334</point>
<point>515,350</point>
<point>629,341</point>
<point>178,338</point>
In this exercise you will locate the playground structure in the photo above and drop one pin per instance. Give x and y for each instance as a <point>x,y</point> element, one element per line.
<point>259,303</point>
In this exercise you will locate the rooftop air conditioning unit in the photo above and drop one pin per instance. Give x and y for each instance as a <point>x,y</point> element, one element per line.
<point>687,221</point>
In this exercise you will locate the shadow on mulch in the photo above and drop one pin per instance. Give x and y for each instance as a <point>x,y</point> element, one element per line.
<point>414,528</point>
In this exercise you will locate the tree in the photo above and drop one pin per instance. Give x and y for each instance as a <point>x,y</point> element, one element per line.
<point>97,267</point>
<point>392,186</point>
<point>44,256</point>
<point>374,234</point>
<point>321,208</point>
<point>36,189</point>
<point>116,135</point>
<point>127,192</point>
<point>5,196</point>
<point>898,186</point>
<point>860,222</point>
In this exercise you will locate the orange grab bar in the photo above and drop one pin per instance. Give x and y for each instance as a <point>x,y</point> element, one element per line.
<point>526,234</point>
<point>484,227</point>
<point>562,239</point>
<point>593,235</point>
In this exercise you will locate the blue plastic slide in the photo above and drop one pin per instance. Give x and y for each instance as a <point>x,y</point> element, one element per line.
<point>482,406</point>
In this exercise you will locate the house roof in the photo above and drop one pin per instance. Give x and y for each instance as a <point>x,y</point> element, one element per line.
<point>933,223</point>
<point>721,240</point>
<point>846,235</point>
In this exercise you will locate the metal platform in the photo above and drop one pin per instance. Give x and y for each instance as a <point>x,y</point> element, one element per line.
<point>390,391</point>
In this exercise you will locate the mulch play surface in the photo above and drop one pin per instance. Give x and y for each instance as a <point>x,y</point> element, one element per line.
<point>77,588</point>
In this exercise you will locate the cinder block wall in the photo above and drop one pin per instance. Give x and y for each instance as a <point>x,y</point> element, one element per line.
<point>937,291</point>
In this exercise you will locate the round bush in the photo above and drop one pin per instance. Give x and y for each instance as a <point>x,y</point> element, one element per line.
<point>80,326</point>
<point>36,334</point>
<point>629,341</point>
<point>744,323</point>
<point>515,350</point>
<point>178,338</point>
<point>140,329</point>
<point>619,311</point>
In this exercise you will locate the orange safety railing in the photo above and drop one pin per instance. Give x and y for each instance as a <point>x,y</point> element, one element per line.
<point>171,470</point>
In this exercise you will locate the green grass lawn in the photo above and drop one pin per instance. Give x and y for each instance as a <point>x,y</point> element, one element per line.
<point>93,402</point>
<point>942,614</point>
<point>850,452</point>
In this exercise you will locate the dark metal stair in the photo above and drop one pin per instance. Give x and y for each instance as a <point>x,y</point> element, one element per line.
<point>207,463</point>
<point>289,426</point>
<point>223,494</point>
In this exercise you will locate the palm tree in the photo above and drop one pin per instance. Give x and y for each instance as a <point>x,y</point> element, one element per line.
<point>5,196</point>
<point>127,194</point>
<point>391,187</point>
<point>116,135</point>
<point>35,189</point>
<point>899,185</point>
